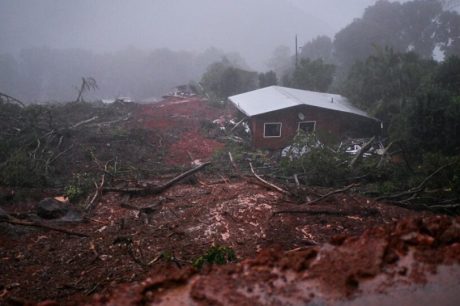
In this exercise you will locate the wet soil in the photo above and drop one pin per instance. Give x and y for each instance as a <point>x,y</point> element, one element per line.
<point>181,122</point>
<point>188,219</point>
<point>413,262</point>
<point>346,247</point>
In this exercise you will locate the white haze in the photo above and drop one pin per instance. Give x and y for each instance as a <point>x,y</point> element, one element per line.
<point>254,28</point>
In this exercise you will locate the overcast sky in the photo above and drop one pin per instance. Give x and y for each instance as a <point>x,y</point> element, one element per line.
<point>251,27</point>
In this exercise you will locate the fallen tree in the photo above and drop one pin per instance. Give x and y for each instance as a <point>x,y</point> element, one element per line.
<point>157,189</point>
<point>11,220</point>
<point>413,192</point>
<point>10,99</point>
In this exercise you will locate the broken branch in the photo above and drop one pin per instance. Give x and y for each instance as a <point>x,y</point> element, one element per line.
<point>83,122</point>
<point>361,152</point>
<point>239,122</point>
<point>332,193</point>
<point>15,221</point>
<point>97,193</point>
<point>296,179</point>
<point>158,189</point>
<point>234,165</point>
<point>11,99</point>
<point>270,185</point>
<point>413,191</point>
<point>384,155</point>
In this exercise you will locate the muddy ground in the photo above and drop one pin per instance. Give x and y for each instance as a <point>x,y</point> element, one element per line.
<point>330,251</point>
<point>38,265</point>
<point>413,262</point>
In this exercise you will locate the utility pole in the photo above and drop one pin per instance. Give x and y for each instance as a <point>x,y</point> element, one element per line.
<point>296,52</point>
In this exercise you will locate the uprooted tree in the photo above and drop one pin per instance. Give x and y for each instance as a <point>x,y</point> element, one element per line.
<point>87,84</point>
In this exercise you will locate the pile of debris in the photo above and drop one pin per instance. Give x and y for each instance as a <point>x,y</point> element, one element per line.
<point>145,220</point>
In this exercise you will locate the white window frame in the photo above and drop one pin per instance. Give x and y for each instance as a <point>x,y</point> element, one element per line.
<point>314,125</point>
<point>281,128</point>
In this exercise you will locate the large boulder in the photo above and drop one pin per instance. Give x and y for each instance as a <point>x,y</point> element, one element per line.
<point>50,208</point>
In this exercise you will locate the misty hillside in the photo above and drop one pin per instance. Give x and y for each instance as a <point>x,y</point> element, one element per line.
<point>251,27</point>
<point>47,46</point>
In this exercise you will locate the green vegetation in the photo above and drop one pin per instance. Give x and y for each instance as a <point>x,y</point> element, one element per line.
<point>216,254</point>
<point>312,75</point>
<point>267,79</point>
<point>415,99</point>
<point>80,185</point>
<point>419,26</point>
<point>222,79</point>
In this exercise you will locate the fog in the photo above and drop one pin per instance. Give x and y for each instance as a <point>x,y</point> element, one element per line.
<point>123,33</point>
<point>252,28</point>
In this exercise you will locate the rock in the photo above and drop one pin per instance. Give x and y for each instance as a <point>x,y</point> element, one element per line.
<point>50,208</point>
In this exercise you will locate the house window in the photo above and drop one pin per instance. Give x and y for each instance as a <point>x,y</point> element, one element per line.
<point>307,126</point>
<point>272,129</point>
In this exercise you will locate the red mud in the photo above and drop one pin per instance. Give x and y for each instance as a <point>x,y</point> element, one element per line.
<point>38,265</point>
<point>180,120</point>
<point>385,266</point>
<point>192,145</point>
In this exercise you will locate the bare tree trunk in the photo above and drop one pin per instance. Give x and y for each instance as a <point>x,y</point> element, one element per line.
<point>158,189</point>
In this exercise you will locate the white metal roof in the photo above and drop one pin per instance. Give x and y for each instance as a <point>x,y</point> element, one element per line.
<point>274,98</point>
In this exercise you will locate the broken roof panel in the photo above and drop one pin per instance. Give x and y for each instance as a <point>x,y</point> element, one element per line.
<point>274,98</point>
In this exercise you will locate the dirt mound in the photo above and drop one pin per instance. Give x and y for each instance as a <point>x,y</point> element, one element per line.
<point>415,261</point>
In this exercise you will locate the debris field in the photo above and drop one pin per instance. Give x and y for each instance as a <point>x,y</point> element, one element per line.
<point>139,250</point>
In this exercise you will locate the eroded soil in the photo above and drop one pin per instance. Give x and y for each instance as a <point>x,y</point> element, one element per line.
<point>38,265</point>
<point>345,248</point>
<point>414,262</point>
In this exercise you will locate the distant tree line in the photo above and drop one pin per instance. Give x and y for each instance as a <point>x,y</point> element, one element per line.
<point>426,27</point>
<point>43,74</point>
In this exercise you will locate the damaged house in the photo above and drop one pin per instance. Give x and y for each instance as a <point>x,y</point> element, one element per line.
<point>275,115</point>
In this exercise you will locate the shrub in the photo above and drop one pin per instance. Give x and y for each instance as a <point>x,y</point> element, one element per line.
<point>78,187</point>
<point>215,255</point>
<point>21,171</point>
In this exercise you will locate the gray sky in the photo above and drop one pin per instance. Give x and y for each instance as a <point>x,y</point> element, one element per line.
<point>251,27</point>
